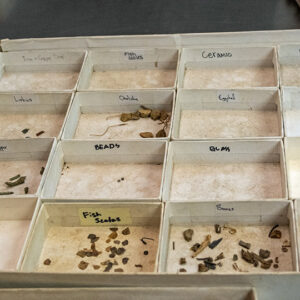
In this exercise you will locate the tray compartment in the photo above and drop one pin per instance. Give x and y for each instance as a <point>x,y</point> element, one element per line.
<point>25,158</point>
<point>252,222</point>
<point>222,68</point>
<point>93,113</point>
<point>106,170</point>
<point>225,170</point>
<point>62,229</point>
<point>214,114</point>
<point>40,70</point>
<point>129,69</point>
<point>36,112</point>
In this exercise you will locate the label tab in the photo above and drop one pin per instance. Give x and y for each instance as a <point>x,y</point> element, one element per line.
<point>104,216</point>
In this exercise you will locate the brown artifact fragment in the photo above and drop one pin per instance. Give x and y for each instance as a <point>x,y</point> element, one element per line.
<point>26,190</point>
<point>146,135</point>
<point>182,270</point>
<point>125,243</point>
<point>182,261</point>
<point>113,235</point>
<point>220,256</point>
<point>108,267</point>
<point>126,117</point>
<point>40,133</point>
<point>155,114</point>
<point>244,244</point>
<point>264,253</point>
<point>144,113</point>
<point>82,265</point>
<point>47,262</point>
<point>204,244</point>
<point>161,133</point>
<point>235,257</point>
<point>188,234</point>
<point>125,260</point>
<point>42,170</point>
<point>96,267</point>
<point>126,231</point>
<point>195,247</point>
<point>202,268</point>
<point>218,228</point>
<point>274,233</point>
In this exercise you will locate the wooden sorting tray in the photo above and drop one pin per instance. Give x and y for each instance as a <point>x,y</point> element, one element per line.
<point>15,223</point>
<point>129,69</point>
<point>230,68</point>
<point>289,64</point>
<point>216,114</point>
<point>225,170</point>
<point>42,113</point>
<point>238,161</point>
<point>146,293</point>
<point>249,222</point>
<point>131,170</point>
<point>40,71</point>
<point>26,157</point>
<point>62,229</point>
<point>96,115</point>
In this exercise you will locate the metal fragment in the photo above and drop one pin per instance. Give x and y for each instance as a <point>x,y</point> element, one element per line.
<point>244,244</point>
<point>215,243</point>
<point>218,228</point>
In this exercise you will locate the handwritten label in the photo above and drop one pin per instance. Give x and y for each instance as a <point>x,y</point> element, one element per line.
<point>133,56</point>
<point>224,208</point>
<point>3,148</point>
<point>106,146</point>
<point>43,58</point>
<point>219,149</point>
<point>206,54</point>
<point>227,96</point>
<point>104,216</point>
<point>20,99</point>
<point>128,98</point>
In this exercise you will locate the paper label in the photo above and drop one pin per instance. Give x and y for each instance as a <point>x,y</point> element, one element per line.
<point>224,209</point>
<point>104,216</point>
<point>227,96</point>
<point>24,99</point>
